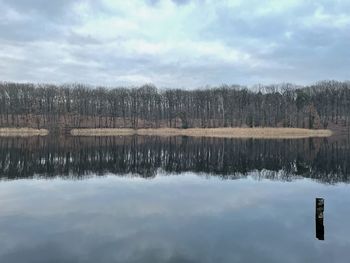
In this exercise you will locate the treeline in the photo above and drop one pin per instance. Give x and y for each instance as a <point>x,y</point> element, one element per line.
<point>75,105</point>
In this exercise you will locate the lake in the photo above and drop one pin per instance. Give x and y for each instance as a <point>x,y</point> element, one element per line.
<point>177,199</point>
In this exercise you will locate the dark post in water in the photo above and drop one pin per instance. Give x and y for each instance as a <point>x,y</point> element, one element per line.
<point>319,218</point>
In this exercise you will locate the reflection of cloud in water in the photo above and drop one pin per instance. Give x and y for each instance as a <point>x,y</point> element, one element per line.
<point>169,219</point>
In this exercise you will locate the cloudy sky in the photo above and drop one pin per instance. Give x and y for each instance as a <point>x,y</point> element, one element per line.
<point>174,43</point>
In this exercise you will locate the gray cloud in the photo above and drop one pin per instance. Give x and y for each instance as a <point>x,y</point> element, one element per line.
<point>174,43</point>
<point>181,2</point>
<point>40,7</point>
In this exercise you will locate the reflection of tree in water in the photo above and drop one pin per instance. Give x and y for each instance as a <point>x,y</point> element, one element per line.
<point>319,159</point>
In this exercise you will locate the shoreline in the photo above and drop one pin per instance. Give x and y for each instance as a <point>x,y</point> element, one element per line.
<point>22,132</point>
<point>259,133</point>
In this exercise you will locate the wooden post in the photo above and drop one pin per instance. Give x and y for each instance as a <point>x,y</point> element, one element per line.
<point>319,218</point>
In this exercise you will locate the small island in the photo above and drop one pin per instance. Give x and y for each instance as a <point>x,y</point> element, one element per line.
<point>263,133</point>
<point>22,132</point>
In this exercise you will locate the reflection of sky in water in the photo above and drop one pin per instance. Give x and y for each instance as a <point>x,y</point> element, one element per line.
<point>171,219</point>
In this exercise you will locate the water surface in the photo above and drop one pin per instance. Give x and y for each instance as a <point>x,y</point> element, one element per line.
<point>151,199</point>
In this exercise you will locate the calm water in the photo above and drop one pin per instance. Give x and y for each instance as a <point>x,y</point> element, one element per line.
<point>149,199</point>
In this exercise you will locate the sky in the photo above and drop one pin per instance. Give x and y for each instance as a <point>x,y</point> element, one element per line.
<point>174,43</point>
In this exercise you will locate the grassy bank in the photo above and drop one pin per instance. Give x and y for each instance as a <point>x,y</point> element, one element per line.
<point>22,132</point>
<point>264,133</point>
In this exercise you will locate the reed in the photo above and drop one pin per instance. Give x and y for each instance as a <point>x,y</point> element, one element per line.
<point>22,132</point>
<point>264,133</point>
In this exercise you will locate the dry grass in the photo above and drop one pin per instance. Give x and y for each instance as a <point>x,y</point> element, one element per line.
<point>22,132</point>
<point>264,133</point>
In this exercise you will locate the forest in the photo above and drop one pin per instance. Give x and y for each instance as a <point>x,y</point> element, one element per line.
<point>325,104</point>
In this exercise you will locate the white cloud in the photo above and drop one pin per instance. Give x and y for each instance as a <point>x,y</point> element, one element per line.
<point>276,7</point>
<point>10,15</point>
<point>185,44</point>
<point>321,18</point>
